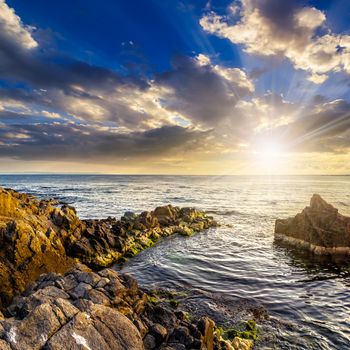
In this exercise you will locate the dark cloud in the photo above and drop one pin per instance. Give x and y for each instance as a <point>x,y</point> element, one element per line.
<point>69,141</point>
<point>280,14</point>
<point>201,92</point>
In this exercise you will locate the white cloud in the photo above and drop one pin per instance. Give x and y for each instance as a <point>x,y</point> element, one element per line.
<point>262,30</point>
<point>318,78</point>
<point>234,76</point>
<point>12,28</point>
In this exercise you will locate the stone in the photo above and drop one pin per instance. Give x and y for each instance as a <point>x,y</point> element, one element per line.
<point>159,332</point>
<point>242,344</point>
<point>206,327</point>
<point>165,215</point>
<point>34,330</point>
<point>318,228</point>
<point>4,345</point>
<point>149,342</point>
<point>52,300</point>
<point>48,317</point>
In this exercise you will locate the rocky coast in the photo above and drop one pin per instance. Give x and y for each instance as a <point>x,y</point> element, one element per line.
<point>58,291</point>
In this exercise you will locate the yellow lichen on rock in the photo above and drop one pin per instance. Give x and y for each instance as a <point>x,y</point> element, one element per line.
<point>242,344</point>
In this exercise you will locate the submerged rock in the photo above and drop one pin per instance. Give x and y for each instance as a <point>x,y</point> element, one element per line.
<point>38,237</point>
<point>319,228</point>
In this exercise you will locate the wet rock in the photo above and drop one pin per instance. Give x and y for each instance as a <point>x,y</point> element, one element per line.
<point>318,228</point>
<point>104,242</point>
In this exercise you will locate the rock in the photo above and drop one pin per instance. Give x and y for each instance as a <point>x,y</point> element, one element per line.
<point>166,215</point>
<point>38,237</point>
<point>129,215</point>
<point>32,241</point>
<point>149,342</point>
<point>4,345</point>
<point>34,330</point>
<point>105,313</point>
<point>49,316</point>
<point>318,228</point>
<point>101,328</point>
<point>159,332</point>
<point>52,300</point>
<point>206,327</point>
<point>242,344</point>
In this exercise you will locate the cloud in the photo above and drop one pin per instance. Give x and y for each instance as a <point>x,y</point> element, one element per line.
<point>321,126</point>
<point>203,92</point>
<point>68,110</point>
<point>70,141</point>
<point>12,31</point>
<point>286,29</point>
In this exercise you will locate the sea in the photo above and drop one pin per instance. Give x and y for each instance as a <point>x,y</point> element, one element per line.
<point>236,270</point>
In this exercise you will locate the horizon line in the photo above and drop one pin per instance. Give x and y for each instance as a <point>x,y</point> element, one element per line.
<point>157,174</point>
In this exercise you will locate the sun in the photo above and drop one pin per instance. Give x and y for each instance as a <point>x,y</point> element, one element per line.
<point>270,150</point>
<point>269,157</point>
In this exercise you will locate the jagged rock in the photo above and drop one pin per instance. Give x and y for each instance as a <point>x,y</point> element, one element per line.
<point>166,215</point>
<point>31,242</point>
<point>38,237</point>
<point>319,228</point>
<point>242,344</point>
<point>48,315</point>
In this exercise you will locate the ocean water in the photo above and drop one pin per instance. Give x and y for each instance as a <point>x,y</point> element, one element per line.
<point>238,263</point>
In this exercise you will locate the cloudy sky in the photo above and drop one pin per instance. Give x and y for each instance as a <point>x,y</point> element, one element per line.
<point>177,87</point>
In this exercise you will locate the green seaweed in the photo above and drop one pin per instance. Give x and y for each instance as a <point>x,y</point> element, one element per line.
<point>250,332</point>
<point>219,331</point>
<point>152,300</point>
<point>132,251</point>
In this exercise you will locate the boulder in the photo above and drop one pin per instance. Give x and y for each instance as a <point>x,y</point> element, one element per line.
<point>318,228</point>
<point>166,215</point>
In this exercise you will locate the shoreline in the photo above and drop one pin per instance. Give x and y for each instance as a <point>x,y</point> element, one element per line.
<point>40,237</point>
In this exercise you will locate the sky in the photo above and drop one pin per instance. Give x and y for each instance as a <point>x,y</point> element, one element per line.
<point>175,87</point>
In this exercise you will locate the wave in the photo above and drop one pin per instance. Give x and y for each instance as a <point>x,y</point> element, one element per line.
<point>224,212</point>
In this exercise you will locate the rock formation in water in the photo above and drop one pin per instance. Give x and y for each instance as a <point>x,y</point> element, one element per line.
<point>39,237</point>
<point>319,228</point>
